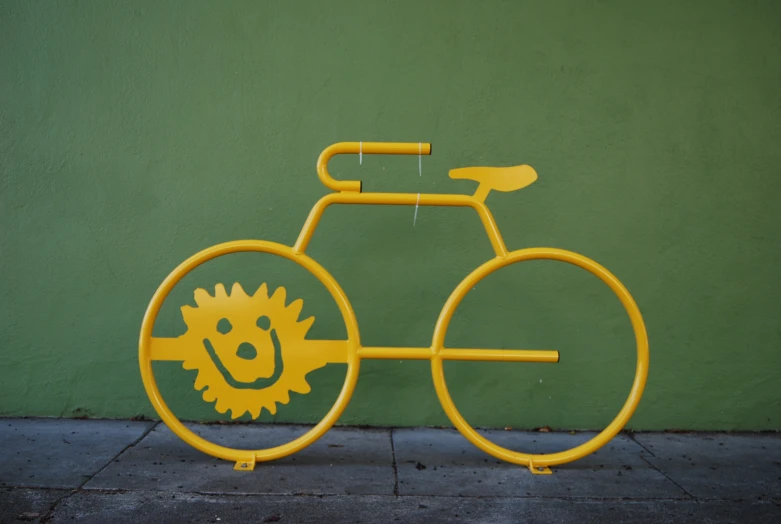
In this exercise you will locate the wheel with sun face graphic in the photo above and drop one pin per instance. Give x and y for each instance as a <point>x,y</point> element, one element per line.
<point>249,350</point>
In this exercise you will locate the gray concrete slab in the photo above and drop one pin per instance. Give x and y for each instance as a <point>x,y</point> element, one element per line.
<point>61,453</point>
<point>348,476</point>
<point>718,465</point>
<point>133,507</point>
<point>442,462</point>
<point>344,461</point>
<point>27,505</point>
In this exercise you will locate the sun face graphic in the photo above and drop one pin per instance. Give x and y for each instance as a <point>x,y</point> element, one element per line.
<point>246,349</point>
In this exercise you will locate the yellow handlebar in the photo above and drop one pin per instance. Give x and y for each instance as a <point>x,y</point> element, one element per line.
<point>369,148</point>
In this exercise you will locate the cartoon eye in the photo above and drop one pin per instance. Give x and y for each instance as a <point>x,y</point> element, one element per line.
<point>224,326</point>
<point>264,322</point>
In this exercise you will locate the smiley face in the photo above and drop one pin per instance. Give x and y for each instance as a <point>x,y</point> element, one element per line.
<point>243,367</point>
<point>244,346</point>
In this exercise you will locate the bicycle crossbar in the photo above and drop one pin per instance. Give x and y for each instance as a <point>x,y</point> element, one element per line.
<point>485,355</point>
<point>335,351</point>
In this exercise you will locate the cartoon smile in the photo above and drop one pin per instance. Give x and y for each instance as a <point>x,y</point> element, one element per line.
<point>259,383</point>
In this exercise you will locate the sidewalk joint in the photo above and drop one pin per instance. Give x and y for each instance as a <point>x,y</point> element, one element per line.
<point>665,475</point>
<point>395,467</point>
<point>50,514</point>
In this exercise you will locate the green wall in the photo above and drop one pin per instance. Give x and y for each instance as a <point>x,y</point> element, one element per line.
<point>133,134</point>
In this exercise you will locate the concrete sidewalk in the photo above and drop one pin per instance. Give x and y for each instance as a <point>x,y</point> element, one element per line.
<point>120,471</point>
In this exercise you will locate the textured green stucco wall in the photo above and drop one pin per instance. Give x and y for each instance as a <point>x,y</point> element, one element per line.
<point>133,134</point>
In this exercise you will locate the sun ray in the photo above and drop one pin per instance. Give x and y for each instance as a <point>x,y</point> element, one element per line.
<point>278,298</point>
<point>219,292</point>
<point>262,292</point>
<point>238,292</point>
<point>202,297</point>
<point>305,324</point>
<point>295,308</point>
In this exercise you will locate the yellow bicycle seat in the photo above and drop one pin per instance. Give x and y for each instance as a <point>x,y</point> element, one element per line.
<point>498,178</point>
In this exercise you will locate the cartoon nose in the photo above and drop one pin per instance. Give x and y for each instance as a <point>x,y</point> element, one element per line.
<point>247,351</point>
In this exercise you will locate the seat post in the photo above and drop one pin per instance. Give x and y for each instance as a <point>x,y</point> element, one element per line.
<point>482,192</point>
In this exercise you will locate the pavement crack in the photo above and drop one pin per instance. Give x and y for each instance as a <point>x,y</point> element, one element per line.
<point>50,514</point>
<point>665,475</point>
<point>395,467</point>
<point>631,437</point>
<point>297,494</point>
<point>141,437</point>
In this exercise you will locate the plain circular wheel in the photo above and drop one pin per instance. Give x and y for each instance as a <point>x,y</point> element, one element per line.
<point>145,361</point>
<point>562,457</point>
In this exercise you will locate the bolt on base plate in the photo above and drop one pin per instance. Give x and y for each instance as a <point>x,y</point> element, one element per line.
<point>539,470</point>
<point>245,465</point>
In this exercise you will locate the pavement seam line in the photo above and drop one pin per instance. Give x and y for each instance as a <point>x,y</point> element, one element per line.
<point>217,494</point>
<point>653,466</point>
<point>665,475</point>
<point>631,437</point>
<point>115,457</point>
<point>394,465</point>
<point>50,514</point>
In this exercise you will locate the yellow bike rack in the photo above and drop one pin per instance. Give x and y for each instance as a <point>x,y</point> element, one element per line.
<point>250,351</point>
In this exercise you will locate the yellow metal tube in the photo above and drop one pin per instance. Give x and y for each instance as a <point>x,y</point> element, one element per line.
<point>176,349</point>
<point>501,355</point>
<point>479,355</point>
<point>368,148</point>
<point>335,351</point>
<point>402,199</point>
<point>561,457</point>
<point>388,353</point>
<point>171,349</point>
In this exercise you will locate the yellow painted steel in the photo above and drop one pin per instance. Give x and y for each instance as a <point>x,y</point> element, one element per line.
<point>500,355</point>
<point>483,355</point>
<point>147,342</point>
<point>176,349</point>
<point>641,371</point>
<point>364,148</point>
<point>402,199</point>
<point>283,356</point>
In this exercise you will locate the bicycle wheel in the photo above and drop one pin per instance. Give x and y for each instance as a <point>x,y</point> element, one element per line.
<point>541,461</point>
<point>151,348</point>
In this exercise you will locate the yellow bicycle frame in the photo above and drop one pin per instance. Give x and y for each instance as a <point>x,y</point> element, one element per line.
<point>352,352</point>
